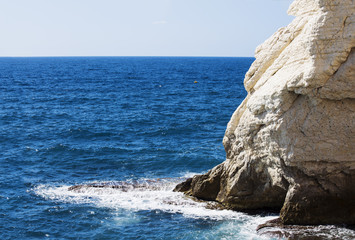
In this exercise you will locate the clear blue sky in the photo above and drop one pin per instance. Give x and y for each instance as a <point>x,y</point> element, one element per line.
<point>138,27</point>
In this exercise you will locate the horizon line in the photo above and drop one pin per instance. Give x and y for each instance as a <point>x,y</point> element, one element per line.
<point>68,56</point>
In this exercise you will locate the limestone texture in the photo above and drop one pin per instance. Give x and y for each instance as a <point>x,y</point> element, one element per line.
<point>290,145</point>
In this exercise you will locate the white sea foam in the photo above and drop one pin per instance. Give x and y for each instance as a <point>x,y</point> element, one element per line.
<point>138,196</point>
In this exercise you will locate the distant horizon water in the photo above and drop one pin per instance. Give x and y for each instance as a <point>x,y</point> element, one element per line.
<point>130,56</point>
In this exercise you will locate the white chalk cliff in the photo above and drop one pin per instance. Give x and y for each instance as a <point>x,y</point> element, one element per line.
<point>291,143</point>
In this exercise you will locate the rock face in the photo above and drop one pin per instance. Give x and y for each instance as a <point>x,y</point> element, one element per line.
<point>291,143</point>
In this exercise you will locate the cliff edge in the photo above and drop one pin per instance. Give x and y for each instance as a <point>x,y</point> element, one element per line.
<point>291,143</point>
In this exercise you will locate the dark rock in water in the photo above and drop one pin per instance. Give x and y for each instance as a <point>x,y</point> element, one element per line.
<point>315,204</point>
<point>275,228</point>
<point>204,187</point>
<point>213,186</point>
<point>116,185</point>
<point>184,186</point>
<point>120,185</point>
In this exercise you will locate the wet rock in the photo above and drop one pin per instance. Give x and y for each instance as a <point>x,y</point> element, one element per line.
<point>276,229</point>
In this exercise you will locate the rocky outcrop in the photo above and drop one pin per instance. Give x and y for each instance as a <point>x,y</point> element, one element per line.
<point>291,143</point>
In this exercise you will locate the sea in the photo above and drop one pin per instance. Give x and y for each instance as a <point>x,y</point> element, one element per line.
<point>142,124</point>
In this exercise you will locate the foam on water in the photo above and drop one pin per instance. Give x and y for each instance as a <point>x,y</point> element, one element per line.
<point>145,194</point>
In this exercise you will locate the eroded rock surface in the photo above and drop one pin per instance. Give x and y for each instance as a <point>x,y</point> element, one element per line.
<point>291,143</point>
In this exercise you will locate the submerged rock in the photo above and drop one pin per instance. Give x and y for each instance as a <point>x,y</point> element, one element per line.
<point>275,228</point>
<point>122,186</point>
<point>291,143</point>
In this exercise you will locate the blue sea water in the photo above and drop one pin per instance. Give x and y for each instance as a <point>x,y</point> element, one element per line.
<point>136,121</point>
